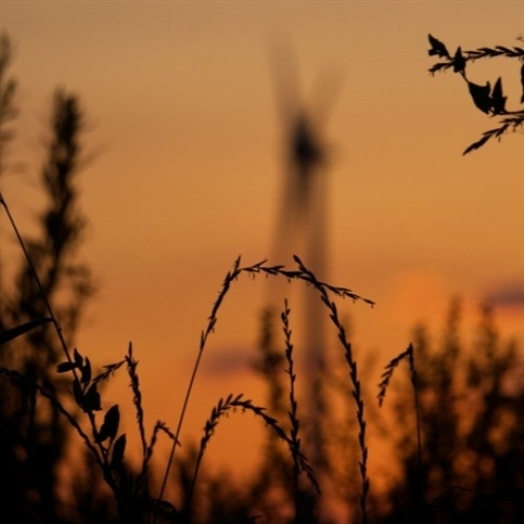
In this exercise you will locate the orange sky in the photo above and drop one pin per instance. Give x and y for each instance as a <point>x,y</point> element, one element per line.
<point>186,136</point>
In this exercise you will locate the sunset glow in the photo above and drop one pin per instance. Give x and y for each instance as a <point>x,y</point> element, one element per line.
<point>186,156</point>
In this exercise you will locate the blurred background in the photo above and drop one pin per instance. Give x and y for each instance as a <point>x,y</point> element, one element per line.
<point>186,155</point>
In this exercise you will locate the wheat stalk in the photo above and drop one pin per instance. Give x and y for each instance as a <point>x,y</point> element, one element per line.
<point>409,355</point>
<point>293,414</point>
<point>230,403</point>
<point>301,274</point>
<point>324,290</point>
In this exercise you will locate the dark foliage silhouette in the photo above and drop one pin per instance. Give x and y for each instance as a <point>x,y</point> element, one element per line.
<point>470,467</point>
<point>33,437</point>
<point>489,100</point>
<point>456,428</point>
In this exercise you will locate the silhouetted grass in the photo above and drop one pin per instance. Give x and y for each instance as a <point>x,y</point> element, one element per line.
<point>107,444</point>
<point>108,447</point>
<point>390,367</point>
<point>293,412</point>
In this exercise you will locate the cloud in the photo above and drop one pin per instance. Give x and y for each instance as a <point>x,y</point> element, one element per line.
<point>507,295</point>
<point>224,361</point>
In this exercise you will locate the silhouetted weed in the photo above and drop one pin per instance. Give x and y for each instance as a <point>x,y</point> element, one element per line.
<point>107,443</point>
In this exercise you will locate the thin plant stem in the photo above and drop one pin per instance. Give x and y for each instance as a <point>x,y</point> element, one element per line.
<point>31,266</point>
<point>302,274</point>
<point>58,327</point>
<point>232,275</point>
<point>408,354</point>
<point>293,415</point>
<point>19,379</point>
<point>353,373</point>
<point>420,490</point>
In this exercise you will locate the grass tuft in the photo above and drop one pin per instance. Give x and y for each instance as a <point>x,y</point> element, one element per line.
<point>108,445</point>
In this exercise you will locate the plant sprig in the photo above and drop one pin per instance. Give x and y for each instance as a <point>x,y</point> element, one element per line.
<point>389,370</point>
<point>489,100</point>
<point>324,290</point>
<point>387,375</point>
<point>231,403</point>
<point>301,274</point>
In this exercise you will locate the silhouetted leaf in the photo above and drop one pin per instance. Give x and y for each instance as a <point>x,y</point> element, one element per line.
<point>63,367</point>
<point>498,99</point>
<point>91,399</point>
<point>438,66</point>
<point>459,64</point>
<point>77,393</point>
<point>17,331</point>
<point>437,47</point>
<point>477,144</point>
<point>522,82</point>
<point>109,428</point>
<point>118,451</point>
<point>78,358</point>
<point>481,96</point>
<point>86,372</point>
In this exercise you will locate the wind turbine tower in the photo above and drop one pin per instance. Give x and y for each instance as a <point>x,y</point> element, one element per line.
<point>302,222</point>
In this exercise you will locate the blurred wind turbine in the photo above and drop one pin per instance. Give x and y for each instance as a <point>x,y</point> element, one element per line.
<point>301,227</point>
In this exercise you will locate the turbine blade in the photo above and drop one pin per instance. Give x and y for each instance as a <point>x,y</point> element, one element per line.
<point>286,79</point>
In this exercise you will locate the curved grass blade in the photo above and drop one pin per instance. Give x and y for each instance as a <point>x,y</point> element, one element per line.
<point>22,329</point>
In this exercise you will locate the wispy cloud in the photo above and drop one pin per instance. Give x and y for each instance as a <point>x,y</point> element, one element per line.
<point>227,361</point>
<point>507,295</point>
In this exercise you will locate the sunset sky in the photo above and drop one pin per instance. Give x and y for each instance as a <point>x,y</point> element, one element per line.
<point>186,140</point>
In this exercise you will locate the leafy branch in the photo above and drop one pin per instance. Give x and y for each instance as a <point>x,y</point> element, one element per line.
<point>490,100</point>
